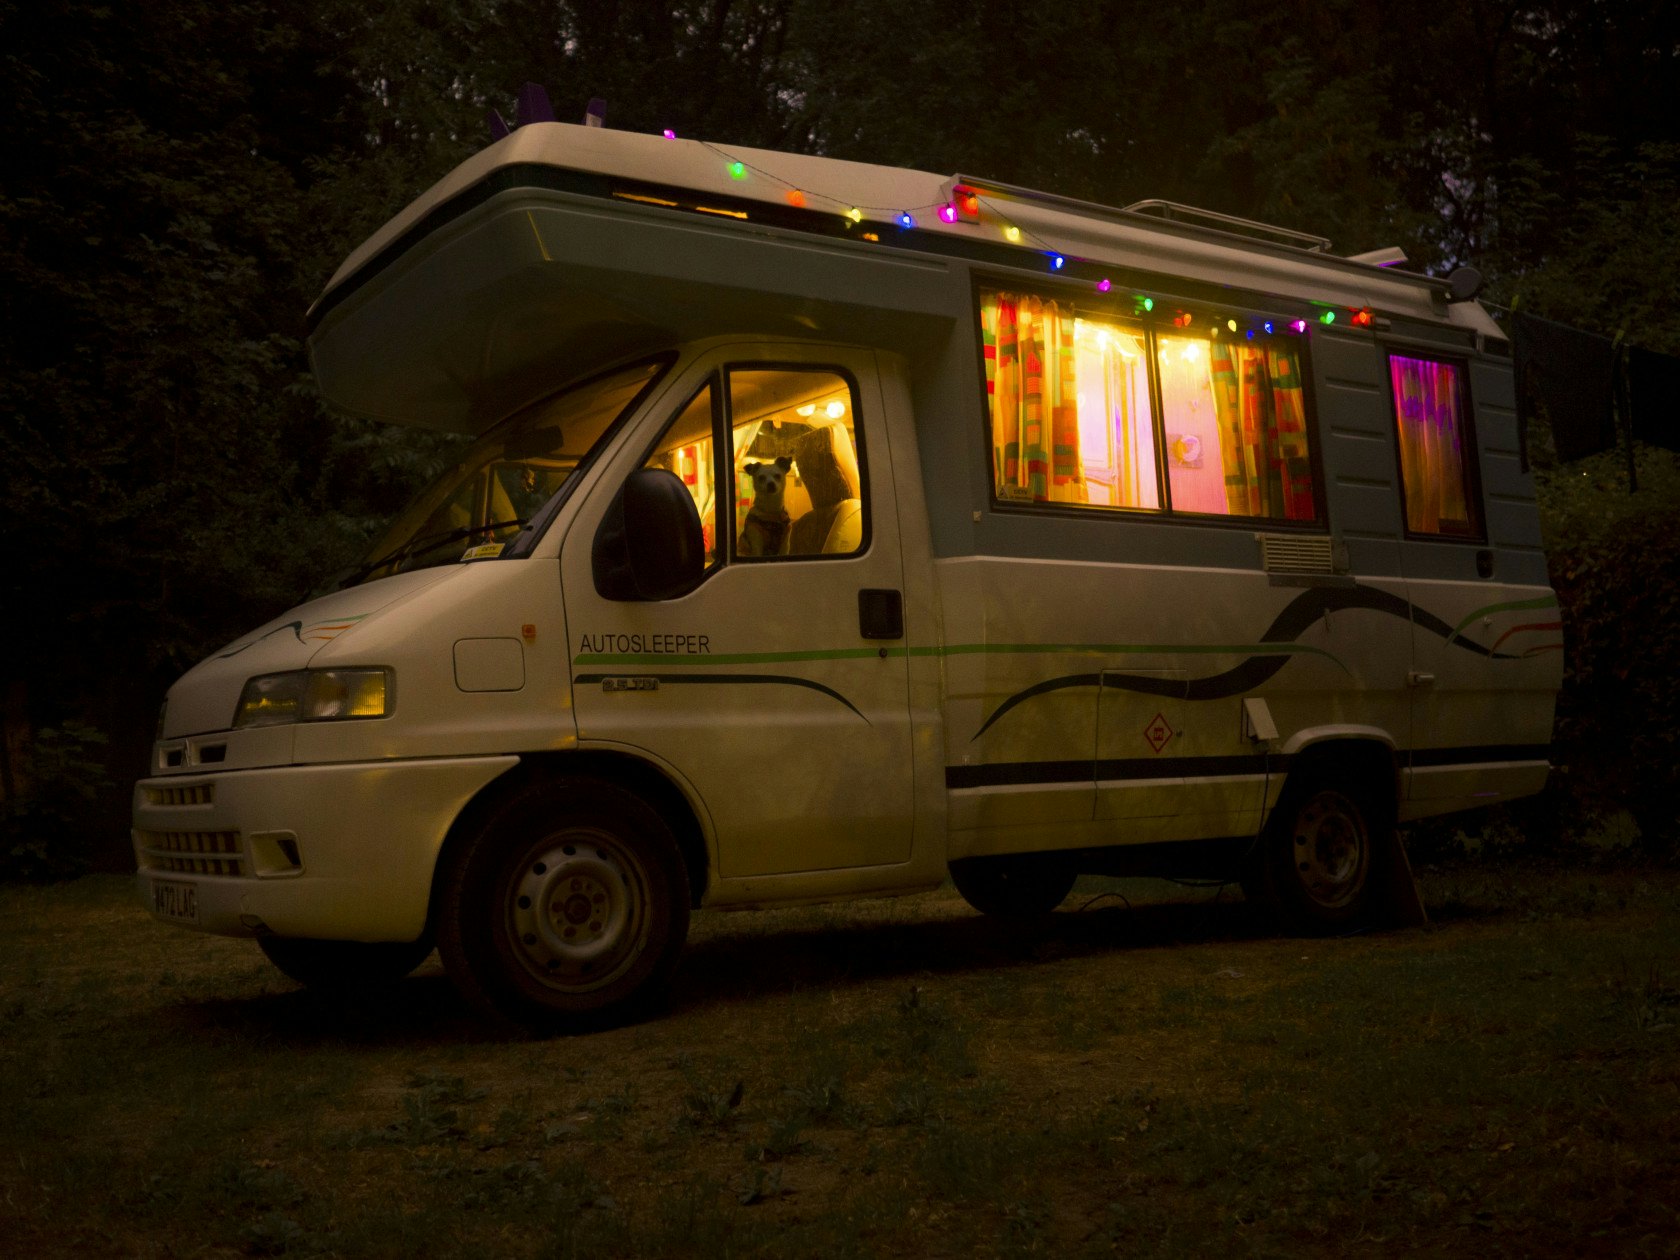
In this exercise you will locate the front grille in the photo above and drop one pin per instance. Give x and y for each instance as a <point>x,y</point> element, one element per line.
<point>192,852</point>
<point>195,794</point>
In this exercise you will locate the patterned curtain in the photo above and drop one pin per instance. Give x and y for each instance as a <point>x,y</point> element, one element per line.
<point>1033,401</point>
<point>1426,397</point>
<point>1262,431</point>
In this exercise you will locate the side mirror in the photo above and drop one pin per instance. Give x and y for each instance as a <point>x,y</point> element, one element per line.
<point>650,545</point>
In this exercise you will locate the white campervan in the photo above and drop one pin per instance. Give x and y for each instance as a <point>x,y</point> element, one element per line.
<point>831,529</point>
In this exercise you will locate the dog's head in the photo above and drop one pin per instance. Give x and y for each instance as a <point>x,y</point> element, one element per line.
<point>768,480</point>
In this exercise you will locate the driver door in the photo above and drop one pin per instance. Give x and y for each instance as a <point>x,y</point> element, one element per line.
<point>778,688</point>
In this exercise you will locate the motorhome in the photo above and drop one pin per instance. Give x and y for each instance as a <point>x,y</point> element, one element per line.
<point>829,530</point>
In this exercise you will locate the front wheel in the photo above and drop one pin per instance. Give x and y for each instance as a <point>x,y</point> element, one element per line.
<point>1012,887</point>
<point>568,907</point>
<point>344,965</point>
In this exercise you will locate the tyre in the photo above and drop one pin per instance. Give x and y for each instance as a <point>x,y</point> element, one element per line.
<point>1012,887</point>
<point>566,909</point>
<point>343,965</point>
<point>1317,868</point>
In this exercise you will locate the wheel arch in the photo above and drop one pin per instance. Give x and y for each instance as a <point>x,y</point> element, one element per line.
<point>1369,759</point>
<point>628,771</point>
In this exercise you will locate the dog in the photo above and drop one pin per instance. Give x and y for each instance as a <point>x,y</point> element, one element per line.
<point>765,532</point>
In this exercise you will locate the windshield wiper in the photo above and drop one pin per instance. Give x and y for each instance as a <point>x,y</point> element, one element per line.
<point>425,542</point>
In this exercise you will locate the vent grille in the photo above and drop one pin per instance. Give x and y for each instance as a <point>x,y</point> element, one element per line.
<point>197,794</point>
<point>1290,553</point>
<point>192,852</point>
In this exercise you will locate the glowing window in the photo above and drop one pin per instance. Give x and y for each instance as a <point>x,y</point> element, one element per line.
<point>1434,434</point>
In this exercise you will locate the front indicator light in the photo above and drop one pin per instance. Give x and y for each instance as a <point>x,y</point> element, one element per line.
<point>314,695</point>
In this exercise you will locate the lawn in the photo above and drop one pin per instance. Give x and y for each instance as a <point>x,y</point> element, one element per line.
<point>1144,1073</point>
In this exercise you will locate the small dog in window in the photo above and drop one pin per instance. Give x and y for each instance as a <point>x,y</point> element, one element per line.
<point>765,532</point>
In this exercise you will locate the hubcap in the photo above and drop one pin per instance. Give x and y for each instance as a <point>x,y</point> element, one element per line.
<point>576,910</point>
<point>1330,850</point>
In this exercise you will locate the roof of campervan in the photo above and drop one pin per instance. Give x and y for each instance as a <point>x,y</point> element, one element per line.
<point>569,245</point>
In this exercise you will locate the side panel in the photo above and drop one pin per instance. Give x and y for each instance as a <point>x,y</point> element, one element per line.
<point>1122,684</point>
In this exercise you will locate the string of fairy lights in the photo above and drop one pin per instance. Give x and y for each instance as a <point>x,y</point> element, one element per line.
<point>966,205</point>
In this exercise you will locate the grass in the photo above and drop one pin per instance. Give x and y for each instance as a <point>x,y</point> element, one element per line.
<point>1148,1075</point>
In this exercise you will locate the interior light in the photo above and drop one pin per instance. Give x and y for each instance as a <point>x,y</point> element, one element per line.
<point>737,170</point>
<point>807,409</point>
<point>835,409</point>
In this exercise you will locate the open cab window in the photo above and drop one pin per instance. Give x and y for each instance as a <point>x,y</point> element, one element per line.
<point>1089,409</point>
<point>792,477</point>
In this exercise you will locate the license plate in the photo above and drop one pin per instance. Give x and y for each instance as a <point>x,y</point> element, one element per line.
<point>176,901</point>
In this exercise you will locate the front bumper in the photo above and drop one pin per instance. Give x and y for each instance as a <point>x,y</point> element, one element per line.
<point>333,852</point>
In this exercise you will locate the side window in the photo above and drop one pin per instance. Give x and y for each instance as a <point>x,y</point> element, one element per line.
<point>1069,401</point>
<point>794,457</point>
<point>1433,428</point>
<point>687,450</point>
<point>1236,427</point>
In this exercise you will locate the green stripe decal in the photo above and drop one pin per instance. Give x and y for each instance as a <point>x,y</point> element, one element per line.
<point>958,649</point>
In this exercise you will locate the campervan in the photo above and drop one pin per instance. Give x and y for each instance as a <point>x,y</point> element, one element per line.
<point>826,530</point>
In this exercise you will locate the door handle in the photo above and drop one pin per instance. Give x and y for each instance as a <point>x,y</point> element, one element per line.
<point>880,614</point>
<point>1416,678</point>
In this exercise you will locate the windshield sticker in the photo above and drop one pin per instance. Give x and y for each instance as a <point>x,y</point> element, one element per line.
<point>484,551</point>
<point>306,632</point>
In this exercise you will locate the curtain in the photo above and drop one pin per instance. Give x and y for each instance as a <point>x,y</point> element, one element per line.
<point>1426,401</point>
<point>1029,352</point>
<point>1258,398</point>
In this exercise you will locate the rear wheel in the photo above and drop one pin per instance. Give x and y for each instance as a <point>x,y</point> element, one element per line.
<point>344,965</point>
<point>1317,867</point>
<point>568,907</point>
<point>1012,887</point>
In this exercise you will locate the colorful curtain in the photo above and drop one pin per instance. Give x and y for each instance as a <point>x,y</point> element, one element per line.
<point>1034,405</point>
<point>1262,414</point>
<point>1432,464</point>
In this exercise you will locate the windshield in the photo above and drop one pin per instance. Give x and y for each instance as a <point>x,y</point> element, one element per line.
<point>479,505</point>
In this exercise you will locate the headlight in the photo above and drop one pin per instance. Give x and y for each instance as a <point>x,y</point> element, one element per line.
<point>314,695</point>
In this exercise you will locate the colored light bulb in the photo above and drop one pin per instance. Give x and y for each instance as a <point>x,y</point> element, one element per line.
<point>1013,233</point>
<point>737,170</point>
<point>855,215</point>
<point>795,197</point>
<point>1056,261</point>
<point>669,134</point>
<point>948,214</point>
<point>1231,324</point>
<point>906,220</point>
<point>1299,325</point>
<point>1268,326</point>
<point>1329,317</point>
<point>1103,285</point>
